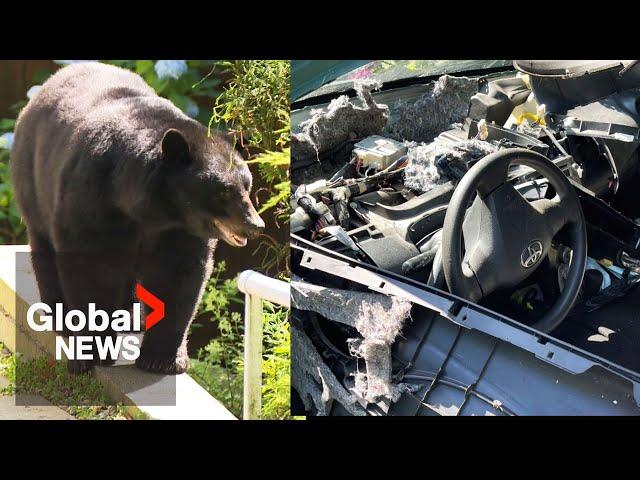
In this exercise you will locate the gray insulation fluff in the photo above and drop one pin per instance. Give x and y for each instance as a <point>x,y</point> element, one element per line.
<point>445,103</point>
<point>315,382</point>
<point>378,319</point>
<point>422,173</point>
<point>341,121</point>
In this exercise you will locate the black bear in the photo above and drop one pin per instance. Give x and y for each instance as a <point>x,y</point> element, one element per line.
<point>116,185</point>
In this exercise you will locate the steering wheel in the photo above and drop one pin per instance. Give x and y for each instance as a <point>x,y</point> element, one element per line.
<point>506,237</point>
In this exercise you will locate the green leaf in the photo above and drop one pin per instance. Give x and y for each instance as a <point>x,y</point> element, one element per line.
<point>7,124</point>
<point>144,66</point>
<point>41,76</point>
<point>179,100</point>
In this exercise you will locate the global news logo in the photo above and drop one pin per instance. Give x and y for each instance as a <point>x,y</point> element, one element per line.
<point>42,317</point>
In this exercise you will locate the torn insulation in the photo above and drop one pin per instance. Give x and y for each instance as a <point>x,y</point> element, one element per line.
<point>445,103</point>
<point>423,172</point>
<point>340,122</point>
<point>378,318</point>
<point>314,381</point>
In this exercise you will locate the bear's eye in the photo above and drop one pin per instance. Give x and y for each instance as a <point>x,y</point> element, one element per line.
<point>228,195</point>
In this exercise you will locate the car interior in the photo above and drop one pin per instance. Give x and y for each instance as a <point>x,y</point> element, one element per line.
<point>516,189</point>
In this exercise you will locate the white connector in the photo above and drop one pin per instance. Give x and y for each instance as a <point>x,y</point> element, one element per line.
<point>378,152</point>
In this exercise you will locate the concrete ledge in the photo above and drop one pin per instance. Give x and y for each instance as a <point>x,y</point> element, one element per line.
<point>134,388</point>
<point>145,394</point>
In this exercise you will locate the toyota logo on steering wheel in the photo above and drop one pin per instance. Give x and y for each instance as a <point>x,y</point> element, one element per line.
<point>531,254</point>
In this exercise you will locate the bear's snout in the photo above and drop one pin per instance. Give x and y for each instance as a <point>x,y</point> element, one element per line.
<point>254,224</point>
<point>240,223</point>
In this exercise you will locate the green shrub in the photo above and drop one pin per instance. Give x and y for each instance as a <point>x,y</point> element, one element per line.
<point>218,365</point>
<point>254,104</point>
<point>276,363</point>
<point>273,167</point>
<point>8,370</point>
<point>12,230</point>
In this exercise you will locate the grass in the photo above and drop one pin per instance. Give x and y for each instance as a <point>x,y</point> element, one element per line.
<point>219,366</point>
<point>82,396</point>
<point>224,384</point>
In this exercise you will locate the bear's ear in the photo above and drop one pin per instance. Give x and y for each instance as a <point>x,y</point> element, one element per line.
<point>175,147</point>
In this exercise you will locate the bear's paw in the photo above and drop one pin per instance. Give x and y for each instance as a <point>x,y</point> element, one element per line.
<point>158,364</point>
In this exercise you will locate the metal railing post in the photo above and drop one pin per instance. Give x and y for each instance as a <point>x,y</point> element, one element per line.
<point>256,286</point>
<point>252,391</point>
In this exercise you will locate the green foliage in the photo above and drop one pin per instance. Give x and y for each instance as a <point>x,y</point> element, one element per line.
<point>219,365</point>
<point>7,370</point>
<point>220,382</point>
<point>80,395</point>
<point>254,104</point>
<point>274,168</point>
<point>276,365</point>
<point>12,230</point>
<point>275,256</point>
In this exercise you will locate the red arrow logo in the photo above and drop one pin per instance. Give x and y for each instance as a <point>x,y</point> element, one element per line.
<point>153,302</point>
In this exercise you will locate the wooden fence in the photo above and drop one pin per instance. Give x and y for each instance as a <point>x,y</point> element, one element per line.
<point>16,76</point>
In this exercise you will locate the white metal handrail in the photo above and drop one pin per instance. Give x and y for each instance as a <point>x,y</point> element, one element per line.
<point>257,287</point>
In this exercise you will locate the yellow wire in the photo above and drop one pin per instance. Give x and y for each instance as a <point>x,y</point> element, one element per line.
<point>534,118</point>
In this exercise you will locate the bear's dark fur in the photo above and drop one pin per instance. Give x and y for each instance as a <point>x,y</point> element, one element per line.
<point>117,185</point>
